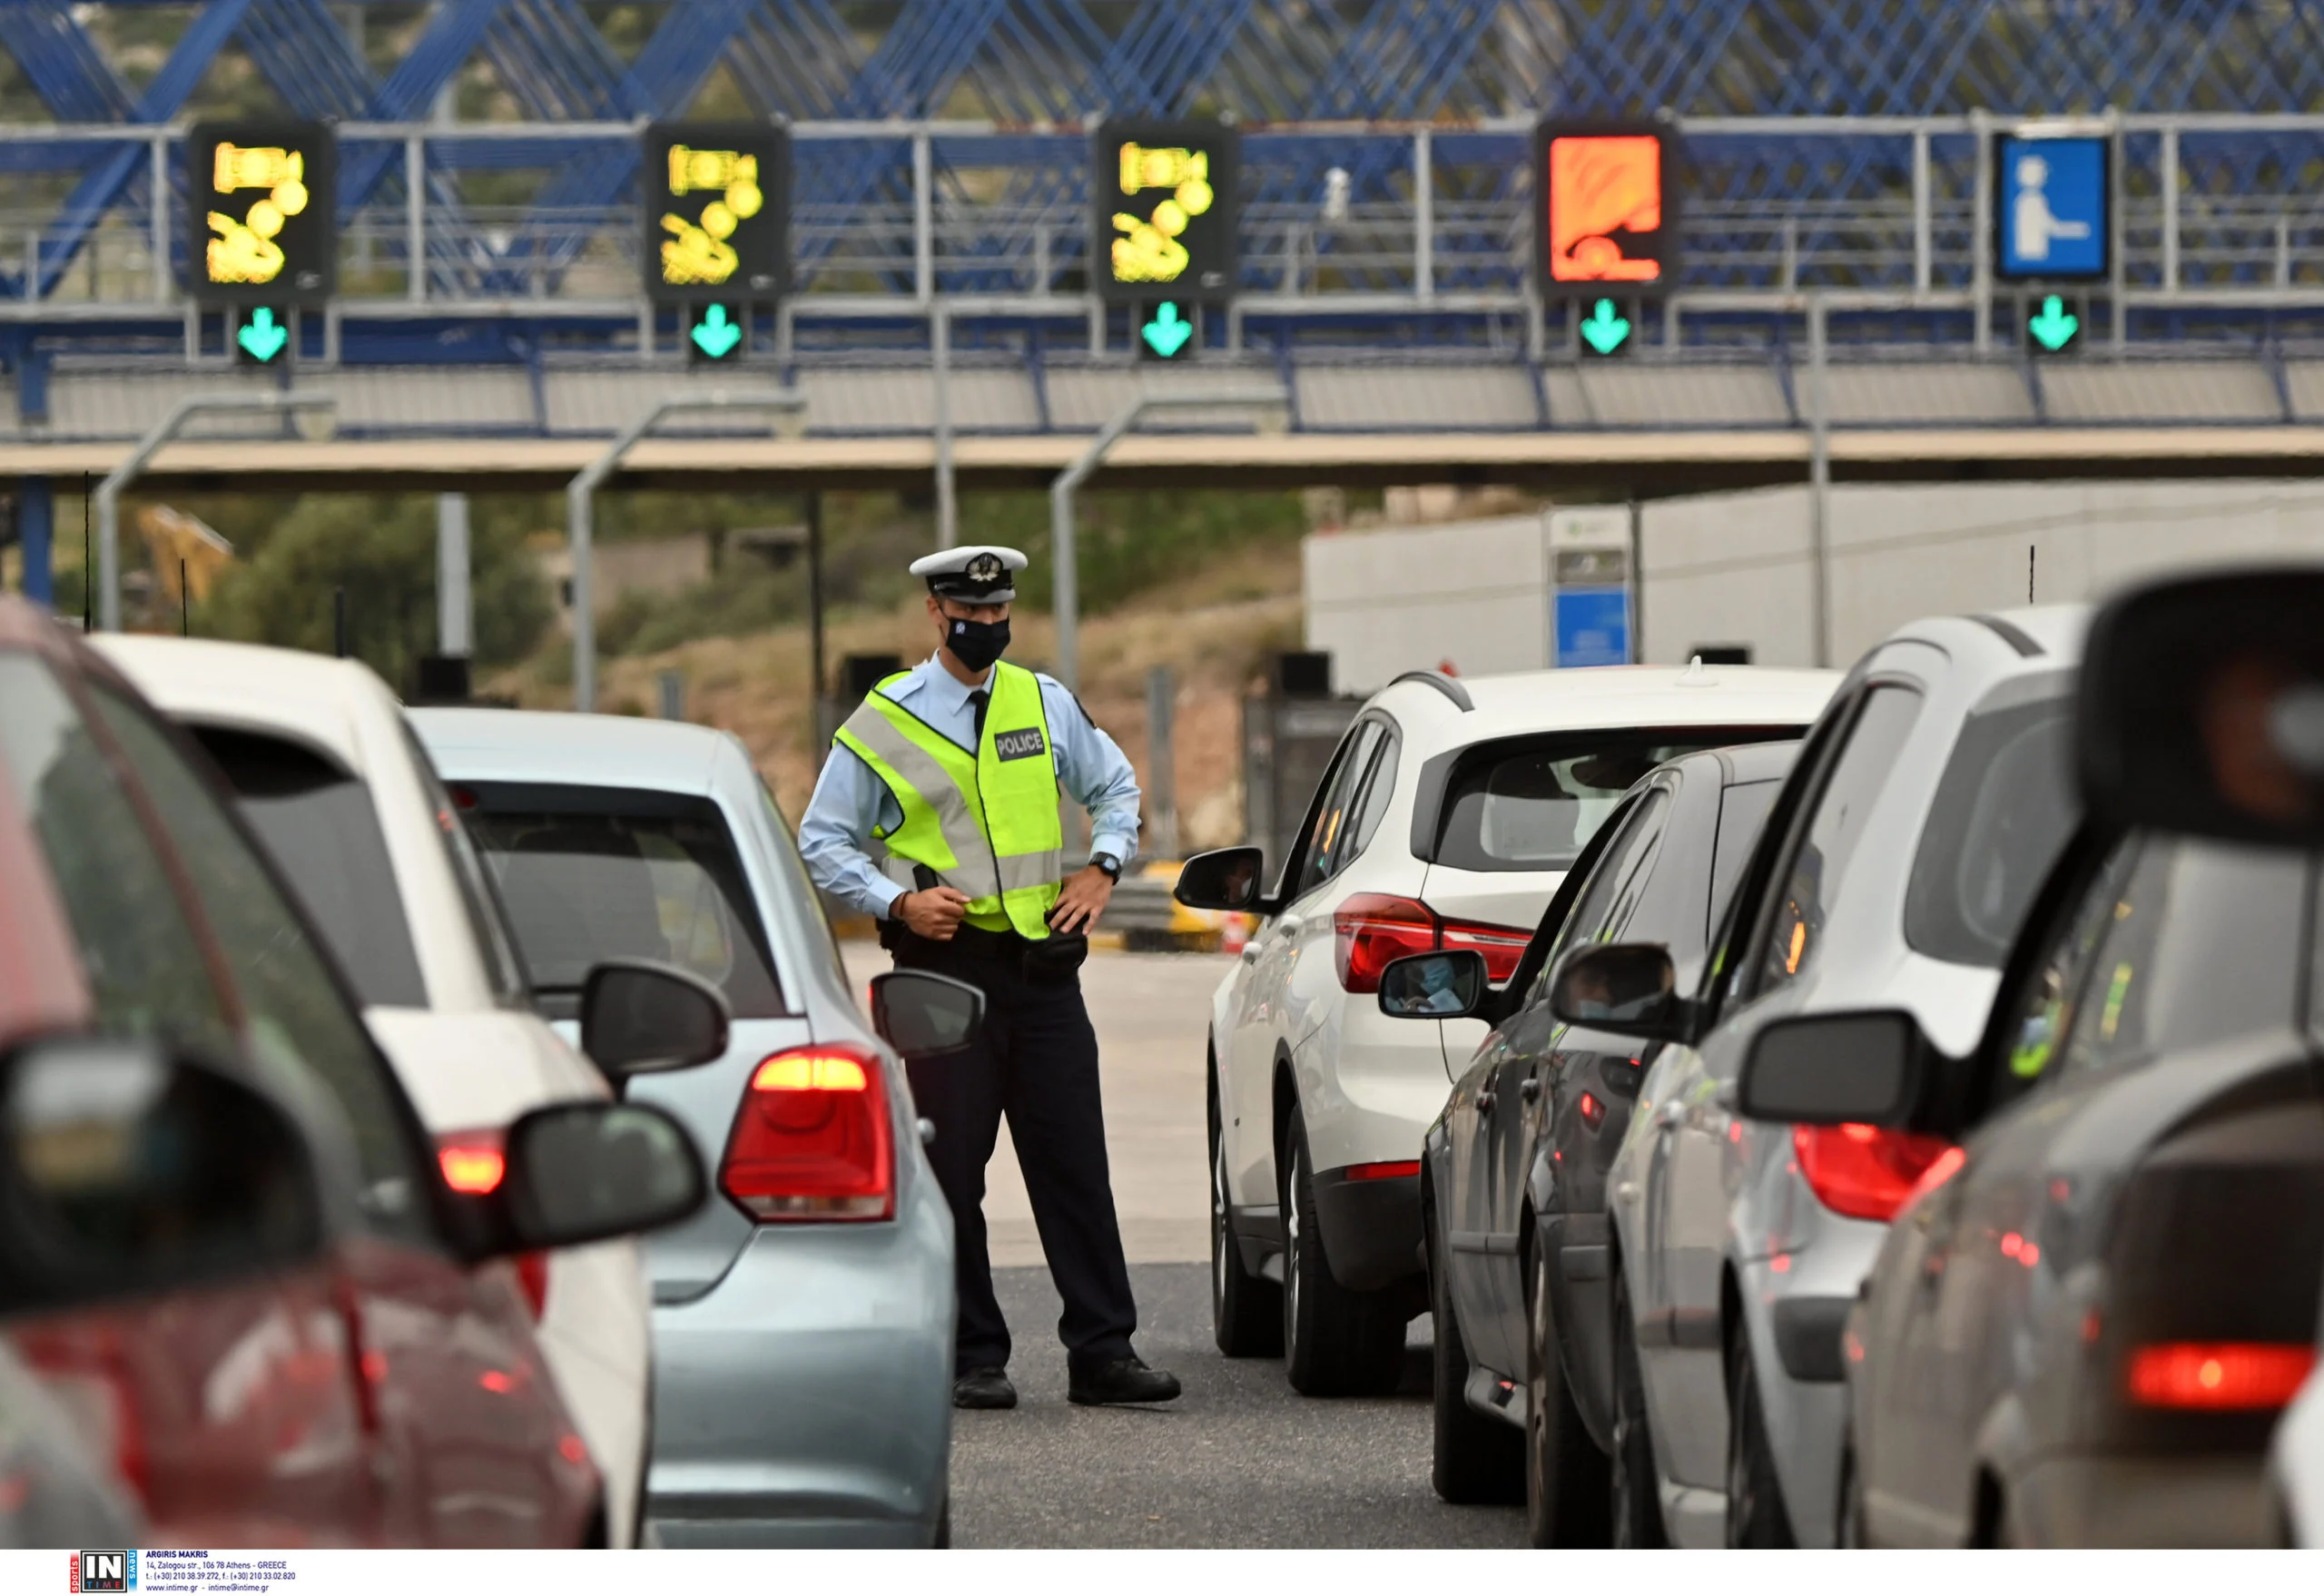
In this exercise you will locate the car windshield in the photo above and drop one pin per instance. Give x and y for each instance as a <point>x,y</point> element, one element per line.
<point>319,824</point>
<point>1534,802</point>
<point>591,873</point>
<point>2000,815</point>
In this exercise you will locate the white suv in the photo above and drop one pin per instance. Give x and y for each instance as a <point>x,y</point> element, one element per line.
<point>1446,819</point>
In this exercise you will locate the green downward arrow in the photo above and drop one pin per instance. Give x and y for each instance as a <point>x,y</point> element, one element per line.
<point>2054,326</point>
<point>262,335</point>
<point>715,334</point>
<point>1168,334</point>
<point>1605,330</point>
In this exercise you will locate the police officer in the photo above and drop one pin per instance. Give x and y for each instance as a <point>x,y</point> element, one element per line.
<point>956,764</point>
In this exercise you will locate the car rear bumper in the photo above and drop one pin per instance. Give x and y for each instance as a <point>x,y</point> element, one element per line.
<point>2085,1499</point>
<point>807,1399</point>
<point>1372,1230</point>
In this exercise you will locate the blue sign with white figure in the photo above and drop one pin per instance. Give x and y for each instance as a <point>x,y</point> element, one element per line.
<point>2052,194</point>
<point>1594,626</point>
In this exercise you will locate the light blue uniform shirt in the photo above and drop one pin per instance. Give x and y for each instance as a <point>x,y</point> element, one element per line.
<point>852,801</point>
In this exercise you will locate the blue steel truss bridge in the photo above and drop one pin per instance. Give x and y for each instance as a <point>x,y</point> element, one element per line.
<point>1833,194</point>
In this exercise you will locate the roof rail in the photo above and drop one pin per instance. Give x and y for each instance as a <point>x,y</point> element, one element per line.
<point>1443,683</point>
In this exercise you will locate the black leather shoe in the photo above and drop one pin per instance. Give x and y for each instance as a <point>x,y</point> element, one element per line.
<point>1125,1380</point>
<point>984,1388</point>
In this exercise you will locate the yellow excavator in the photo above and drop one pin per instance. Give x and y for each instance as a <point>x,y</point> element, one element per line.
<point>187,553</point>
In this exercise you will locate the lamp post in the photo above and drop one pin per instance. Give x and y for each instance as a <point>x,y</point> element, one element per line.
<point>1271,409</point>
<point>790,408</point>
<point>300,402</point>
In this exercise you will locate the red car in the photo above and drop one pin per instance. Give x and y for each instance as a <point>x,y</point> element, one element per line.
<point>383,1388</point>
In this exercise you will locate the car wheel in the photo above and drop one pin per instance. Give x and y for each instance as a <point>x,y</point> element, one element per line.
<point>943,1542</point>
<point>1566,1477</point>
<point>1636,1498</point>
<point>1755,1512</point>
<point>1477,1458</point>
<point>1245,1310</point>
<point>1337,1341</point>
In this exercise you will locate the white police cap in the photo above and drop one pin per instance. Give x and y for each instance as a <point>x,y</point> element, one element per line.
<point>982,573</point>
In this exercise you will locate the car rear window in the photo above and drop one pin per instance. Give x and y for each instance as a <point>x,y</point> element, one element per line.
<point>1533,802</point>
<point>2001,811</point>
<point>319,824</point>
<point>589,873</point>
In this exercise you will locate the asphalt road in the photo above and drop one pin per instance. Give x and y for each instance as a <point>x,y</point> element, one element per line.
<point>1240,1460</point>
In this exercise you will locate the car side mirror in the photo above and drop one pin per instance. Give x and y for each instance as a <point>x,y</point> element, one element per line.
<point>922,1014</point>
<point>583,1172</point>
<point>1433,986</point>
<point>639,1018</point>
<point>127,1169</point>
<point>1223,879</point>
<point>1630,989</point>
<point>2200,708</point>
<point>1864,1067</point>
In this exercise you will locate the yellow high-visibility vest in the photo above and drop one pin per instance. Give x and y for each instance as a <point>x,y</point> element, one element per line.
<point>985,822</point>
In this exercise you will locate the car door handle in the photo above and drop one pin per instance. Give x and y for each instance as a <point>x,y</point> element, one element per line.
<point>1626,1190</point>
<point>1250,952</point>
<point>1484,1102</point>
<point>1668,1120</point>
<point>1290,925</point>
<point>1532,1090</point>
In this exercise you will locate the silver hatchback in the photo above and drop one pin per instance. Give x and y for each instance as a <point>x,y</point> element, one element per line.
<point>803,1319</point>
<point>1926,808</point>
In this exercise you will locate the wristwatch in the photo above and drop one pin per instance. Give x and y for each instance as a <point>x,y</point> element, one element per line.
<point>1109,864</point>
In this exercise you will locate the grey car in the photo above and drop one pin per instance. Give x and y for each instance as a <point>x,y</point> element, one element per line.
<point>1514,1170</point>
<point>1926,807</point>
<point>803,1320</point>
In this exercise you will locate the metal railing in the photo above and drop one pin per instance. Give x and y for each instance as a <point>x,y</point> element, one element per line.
<point>2216,211</point>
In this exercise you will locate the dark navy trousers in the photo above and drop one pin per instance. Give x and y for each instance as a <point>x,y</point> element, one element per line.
<point>1035,1061</point>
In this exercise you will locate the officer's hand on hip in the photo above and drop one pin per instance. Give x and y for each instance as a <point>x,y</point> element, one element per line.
<point>933,912</point>
<point>1084,899</point>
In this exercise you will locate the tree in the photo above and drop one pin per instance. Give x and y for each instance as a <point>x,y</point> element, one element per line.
<point>380,550</point>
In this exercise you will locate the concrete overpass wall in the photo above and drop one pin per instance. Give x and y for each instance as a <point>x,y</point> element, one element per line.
<point>1735,567</point>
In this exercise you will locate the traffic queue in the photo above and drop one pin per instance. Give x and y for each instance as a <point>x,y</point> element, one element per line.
<point>1815,1109</point>
<point>1903,1127</point>
<point>345,1054</point>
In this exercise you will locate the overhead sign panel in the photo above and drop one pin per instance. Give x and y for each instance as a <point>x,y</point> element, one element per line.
<point>268,191</point>
<point>1162,196</point>
<point>717,222</point>
<point>2052,219</point>
<point>1608,208</point>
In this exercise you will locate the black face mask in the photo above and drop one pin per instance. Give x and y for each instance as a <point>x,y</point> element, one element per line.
<point>976,643</point>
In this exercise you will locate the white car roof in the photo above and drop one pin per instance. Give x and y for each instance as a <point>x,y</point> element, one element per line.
<point>310,698</point>
<point>343,711</point>
<point>1608,696</point>
<point>554,745</point>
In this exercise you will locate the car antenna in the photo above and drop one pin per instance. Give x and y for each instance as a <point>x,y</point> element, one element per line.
<point>2029,573</point>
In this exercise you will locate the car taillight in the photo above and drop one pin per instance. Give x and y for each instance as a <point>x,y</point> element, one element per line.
<point>1372,930</point>
<point>811,1141</point>
<point>471,1161</point>
<point>1503,945</point>
<point>1862,1170</point>
<point>2218,1376</point>
<point>532,1275</point>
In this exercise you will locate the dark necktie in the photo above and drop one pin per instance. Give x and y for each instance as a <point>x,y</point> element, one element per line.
<point>978,701</point>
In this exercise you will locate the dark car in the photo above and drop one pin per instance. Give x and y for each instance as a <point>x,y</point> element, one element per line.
<point>2082,1328</point>
<point>262,1345</point>
<point>1515,1168</point>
